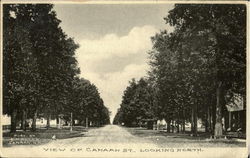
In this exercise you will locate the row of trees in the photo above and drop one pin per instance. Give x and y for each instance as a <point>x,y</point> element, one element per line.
<point>137,103</point>
<point>85,102</point>
<point>199,67</point>
<point>40,72</point>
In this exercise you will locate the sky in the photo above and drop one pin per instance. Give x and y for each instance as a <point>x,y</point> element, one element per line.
<point>114,42</point>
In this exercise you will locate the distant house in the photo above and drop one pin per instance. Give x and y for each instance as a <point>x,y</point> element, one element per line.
<point>5,120</point>
<point>148,123</point>
<point>40,122</point>
<point>161,124</point>
<point>43,122</point>
<point>235,119</point>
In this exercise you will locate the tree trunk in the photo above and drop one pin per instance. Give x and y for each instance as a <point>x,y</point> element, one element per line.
<point>235,120</point>
<point>230,120</point>
<point>239,120</point>
<point>213,118</point>
<point>218,125</point>
<point>244,114</point>
<point>178,123</point>
<point>34,121</point>
<point>208,120</point>
<point>24,117</point>
<point>244,121</point>
<point>13,120</point>
<point>73,119</point>
<point>48,121</point>
<point>172,126</point>
<point>194,119</point>
<point>206,123</point>
<point>178,127</point>
<point>226,120</point>
<point>168,126</point>
<point>183,122</point>
<point>57,122</point>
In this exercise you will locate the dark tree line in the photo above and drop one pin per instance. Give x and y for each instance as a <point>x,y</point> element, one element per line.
<point>199,67</point>
<point>40,72</point>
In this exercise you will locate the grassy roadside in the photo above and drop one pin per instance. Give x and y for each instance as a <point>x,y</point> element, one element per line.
<point>164,139</point>
<point>40,136</point>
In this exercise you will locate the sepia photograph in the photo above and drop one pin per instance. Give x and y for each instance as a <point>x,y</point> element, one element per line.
<point>124,79</point>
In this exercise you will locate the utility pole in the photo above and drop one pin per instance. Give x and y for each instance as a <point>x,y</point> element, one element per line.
<point>71,121</point>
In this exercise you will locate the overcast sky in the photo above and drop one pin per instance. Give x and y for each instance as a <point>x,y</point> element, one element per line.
<point>114,40</point>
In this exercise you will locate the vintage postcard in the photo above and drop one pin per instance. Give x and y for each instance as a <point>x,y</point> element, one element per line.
<point>124,79</point>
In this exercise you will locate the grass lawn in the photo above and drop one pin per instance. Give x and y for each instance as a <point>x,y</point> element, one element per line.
<point>164,139</point>
<point>40,136</point>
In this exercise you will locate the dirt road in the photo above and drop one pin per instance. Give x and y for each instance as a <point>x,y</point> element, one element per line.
<point>108,136</point>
